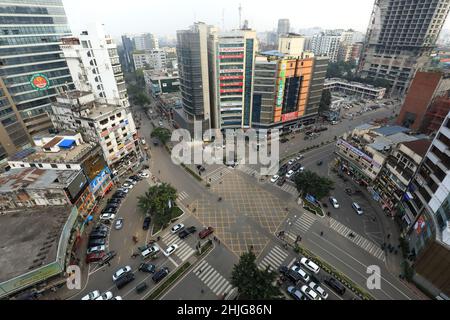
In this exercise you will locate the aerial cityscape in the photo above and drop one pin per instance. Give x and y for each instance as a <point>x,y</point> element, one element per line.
<point>224,153</point>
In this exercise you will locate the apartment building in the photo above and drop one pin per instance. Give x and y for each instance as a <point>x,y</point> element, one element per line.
<point>145,42</point>
<point>162,82</point>
<point>151,59</point>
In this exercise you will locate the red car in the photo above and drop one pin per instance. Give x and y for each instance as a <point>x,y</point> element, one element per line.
<point>95,257</point>
<point>206,232</point>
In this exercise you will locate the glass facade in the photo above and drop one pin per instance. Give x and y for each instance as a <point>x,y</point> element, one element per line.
<point>30,35</point>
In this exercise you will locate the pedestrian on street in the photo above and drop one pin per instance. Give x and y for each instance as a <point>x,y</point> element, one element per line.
<point>389,236</point>
<point>321,233</point>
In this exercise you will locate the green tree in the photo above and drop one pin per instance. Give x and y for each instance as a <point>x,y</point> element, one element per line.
<point>141,99</point>
<point>162,134</point>
<point>309,182</point>
<point>253,283</point>
<point>156,203</point>
<point>325,101</point>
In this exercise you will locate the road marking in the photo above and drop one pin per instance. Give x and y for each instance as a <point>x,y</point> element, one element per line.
<point>183,195</point>
<point>216,282</point>
<point>217,175</point>
<point>184,251</point>
<point>274,259</point>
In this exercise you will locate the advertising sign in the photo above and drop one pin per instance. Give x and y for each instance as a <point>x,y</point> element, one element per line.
<point>289,116</point>
<point>99,179</point>
<point>231,70</point>
<point>40,82</point>
<point>359,153</point>
<point>281,84</point>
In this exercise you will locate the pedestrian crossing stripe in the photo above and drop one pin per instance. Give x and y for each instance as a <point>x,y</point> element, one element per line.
<point>217,175</point>
<point>304,222</point>
<point>359,240</point>
<point>183,195</point>
<point>212,278</point>
<point>184,251</point>
<point>274,259</point>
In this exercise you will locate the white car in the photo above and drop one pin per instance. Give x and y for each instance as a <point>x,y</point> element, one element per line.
<point>121,272</point>
<point>117,298</point>
<point>124,190</point>
<point>108,216</point>
<point>334,202</point>
<point>299,157</point>
<point>144,174</point>
<point>160,124</point>
<point>310,293</point>
<point>154,249</point>
<point>127,185</point>
<point>301,272</point>
<point>311,266</point>
<point>290,174</point>
<point>171,250</point>
<point>291,162</point>
<point>96,249</point>
<point>92,295</point>
<point>143,141</point>
<point>106,296</point>
<point>177,227</point>
<point>275,178</point>
<point>131,181</point>
<point>319,290</point>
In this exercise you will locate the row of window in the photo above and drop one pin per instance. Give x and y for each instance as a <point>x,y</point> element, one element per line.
<point>12,81</point>
<point>30,59</point>
<point>17,41</point>
<point>34,30</point>
<point>32,20</point>
<point>29,50</point>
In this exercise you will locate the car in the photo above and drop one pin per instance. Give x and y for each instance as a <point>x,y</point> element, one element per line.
<point>117,298</point>
<point>170,250</point>
<point>143,141</point>
<point>121,272</point>
<point>149,252</point>
<point>96,242</point>
<point>133,180</point>
<point>127,185</point>
<point>301,169</point>
<point>119,194</point>
<point>310,293</point>
<point>124,280</point>
<point>275,178</point>
<point>95,257</point>
<point>310,265</point>
<point>290,174</point>
<point>112,205</point>
<point>109,210</point>
<point>205,232</point>
<point>123,190</point>
<point>105,296</point>
<point>317,288</point>
<point>281,181</point>
<point>357,208</point>
<point>107,216</point>
<point>320,162</point>
<point>147,267</point>
<point>91,295</point>
<point>186,232</point>
<point>296,166</point>
<point>334,202</point>
<point>96,249</point>
<point>146,224</point>
<point>304,276</point>
<point>335,285</point>
<point>283,270</point>
<point>295,293</point>
<point>108,257</point>
<point>98,235</point>
<point>299,157</point>
<point>284,140</point>
<point>161,274</point>
<point>115,200</point>
<point>118,224</point>
<point>178,227</point>
<point>144,174</point>
<point>160,124</point>
<point>291,162</point>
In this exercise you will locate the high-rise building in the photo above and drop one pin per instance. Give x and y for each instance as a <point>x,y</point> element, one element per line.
<point>326,43</point>
<point>284,27</point>
<point>400,37</point>
<point>193,49</point>
<point>127,54</point>
<point>150,59</point>
<point>145,41</point>
<point>94,64</point>
<point>234,61</point>
<point>287,90</point>
<point>291,44</point>
<point>31,69</point>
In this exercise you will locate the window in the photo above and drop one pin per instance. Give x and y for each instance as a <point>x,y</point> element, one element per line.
<point>54,166</point>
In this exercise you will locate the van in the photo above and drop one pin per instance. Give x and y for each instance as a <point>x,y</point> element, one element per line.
<point>124,280</point>
<point>357,208</point>
<point>336,286</point>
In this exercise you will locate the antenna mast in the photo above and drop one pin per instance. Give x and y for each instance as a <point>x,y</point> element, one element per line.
<point>240,15</point>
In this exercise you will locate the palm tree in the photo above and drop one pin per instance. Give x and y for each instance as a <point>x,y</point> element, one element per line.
<point>156,202</point>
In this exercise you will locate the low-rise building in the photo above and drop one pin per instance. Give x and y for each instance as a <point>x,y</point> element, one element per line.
<point>362,90</point>
<point>110,126</point>
<point>162,81</point>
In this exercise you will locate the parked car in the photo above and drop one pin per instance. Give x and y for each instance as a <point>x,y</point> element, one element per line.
<point>127,185</point>
<point>310,293</point>
<point>283,270</point>
<point>105,296</point>
<point>108,216</point>
<point>115,200</point>
<point>275,178</point>
<point>121,272</point>
<point>146,224</point>
<point>117,298</point>
<point>147,267</point>
<point>118,224</point>
<point>310,265</point>
<point>299,157</point>
<point>317,288</point>
<point>178,227</point>
<point>335,285</point>
<point>144,174</point>
<point>304,276</point>
<point>123,190</point>
<point>95,257</point>
<point>96,249</point>
<point>334,202</point>
<point>186,232</point>
<point>151,251</point>
<point>98,235</point>
<point>161,274</point>
<point>171,249</point>
<point>357,208</point>
<point>205,232</point>
<point>108,257</point>
<point>96,242</point>
<point>290,174</point>
<point>120,194</point>
<point>109,209</point>
<point>291,162</point>
<point>91,295</point>
<point>281,181</point>
<point>112,205</point>
<point>124,280</point>
<point>295,293</point>
<point>141,287</point>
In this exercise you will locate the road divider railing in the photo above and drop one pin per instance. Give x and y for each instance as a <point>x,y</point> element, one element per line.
<point>361,293</point>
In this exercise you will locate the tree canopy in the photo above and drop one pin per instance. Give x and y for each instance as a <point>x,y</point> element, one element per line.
<point>162,134</point>
<point>309,182</point>
<point>325,101</point>
<point>156,203</point>
<point>251,282</point>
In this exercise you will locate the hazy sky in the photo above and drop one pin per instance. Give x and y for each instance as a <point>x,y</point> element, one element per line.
<point>164,17</point>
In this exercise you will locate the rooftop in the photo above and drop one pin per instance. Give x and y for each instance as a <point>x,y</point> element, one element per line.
<point>419,146</point>
<point>36,155</point>
<point>365,126</point>
<point>29,239</point>
<point>35,178</point>
<point>390,130</point>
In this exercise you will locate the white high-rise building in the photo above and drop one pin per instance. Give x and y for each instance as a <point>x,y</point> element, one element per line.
<point>326,44</point>
<point>153,59</point>
<point>145,41</point>
<point>291,44</point>
<point>94,64</point>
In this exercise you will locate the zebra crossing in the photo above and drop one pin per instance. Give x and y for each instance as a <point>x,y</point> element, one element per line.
<point>274,259</point>
<point>184,251</point>
<point>289,189</point>
<point>359,240</point>
<point>183,195</point>
<point>248,170</point>
<point>301,225</point>
<point>212,278</point>
<point>217,175</point>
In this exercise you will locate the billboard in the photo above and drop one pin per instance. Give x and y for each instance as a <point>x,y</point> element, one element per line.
<point>359,153</point>
<point>77,186</point>
<point>289,116</point>
<point>281,84</point>
<point>98,181</point>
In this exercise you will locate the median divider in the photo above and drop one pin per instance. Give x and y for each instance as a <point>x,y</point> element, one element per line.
<point>361,293</point>
<point>170,280</point>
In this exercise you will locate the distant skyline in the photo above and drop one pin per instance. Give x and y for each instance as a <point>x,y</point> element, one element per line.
<point>163,18</point>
